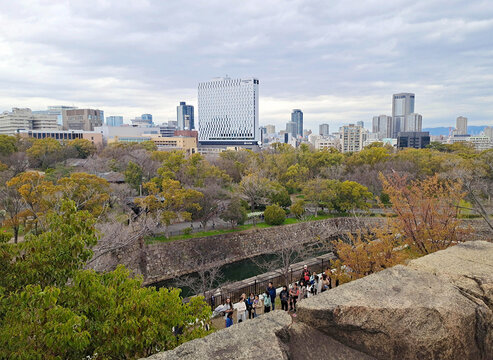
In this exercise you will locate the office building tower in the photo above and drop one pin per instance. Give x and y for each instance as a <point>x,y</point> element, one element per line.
<point>292,128</point>
<point>114,120</point>
<point>184,116</point>
<point>297,117</point>
<point>55,110</point>
<point>24,119</point>
<point>402,105</point>
<point>413,123</point>
<point>361,123</point>
<point>416,140</point>
<point>382,126</point>
<point>228,112</point>
<point>323,129</point>
<point>82,119</point>
<point>461,126</point>
<point>271,129</point>
<point>352,138</point>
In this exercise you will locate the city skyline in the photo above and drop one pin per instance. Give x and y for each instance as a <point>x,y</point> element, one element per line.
<point>98,61</point>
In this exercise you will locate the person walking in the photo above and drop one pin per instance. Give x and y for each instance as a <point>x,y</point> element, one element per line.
<point>241,307</point>
<point>271,290</point>
<point>249,304</point>
<point>284,296</point>
<point>267,302</point>
<point>294,294</point>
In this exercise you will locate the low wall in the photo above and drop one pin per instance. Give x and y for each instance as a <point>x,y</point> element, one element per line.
<point>172,259</point>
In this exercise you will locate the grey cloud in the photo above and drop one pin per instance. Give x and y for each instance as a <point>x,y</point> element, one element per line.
<point>339,61</point>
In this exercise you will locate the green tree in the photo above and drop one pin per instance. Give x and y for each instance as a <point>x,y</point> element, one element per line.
<point>298,209</point>
<point>351,195</point>
<point>133,175</point>
<point>279,195</point>
<point>274,215</point>
<point>45,152</point>
<point>234,213</point>
<point>8,145</point>
<point>84,147</point>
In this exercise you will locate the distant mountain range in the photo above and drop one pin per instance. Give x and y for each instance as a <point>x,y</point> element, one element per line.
<point>472,130</point>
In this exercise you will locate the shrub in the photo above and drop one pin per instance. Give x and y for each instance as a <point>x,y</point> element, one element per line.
<point>274,215</point>
<point>298,208</point>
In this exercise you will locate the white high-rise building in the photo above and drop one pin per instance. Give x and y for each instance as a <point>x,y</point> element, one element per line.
<point>412,123</point>
<point>228,112</point>
<point>402,105</point>
<point>352,138</point>
<point>382,126</point>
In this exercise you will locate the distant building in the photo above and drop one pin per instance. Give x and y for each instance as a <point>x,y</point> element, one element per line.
<point>361,123</point>
<point>187,133</point>
<point>297,118</point>
<point>481,142</point>
<point>271,129</point>
<point>292,128</point>
<point>488,131</point>
<point>306,133</point>
<point>228,112</point>
<point>167,131</point>
<point>416,140</point>
<point>352,138</point>
<point>111,132</point>
<point>82,119</point>
<point>382,126</point>
<point>413,123</point>
<point>114,120</point>
<point>25,119</point>
<point>64,135</point>
<point>461,126</point>
<point>188,144</point>
<point>185,117</point>
<point>323,130</point>
<point>402,105</point>
<point>55,110</point>
<point>327,143</point>
<point>145,120</point>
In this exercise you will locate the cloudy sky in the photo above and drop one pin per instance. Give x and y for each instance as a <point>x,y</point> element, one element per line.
<point>338,61</point>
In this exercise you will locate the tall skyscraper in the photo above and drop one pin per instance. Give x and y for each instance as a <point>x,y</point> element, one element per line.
<point>402,105</point>
<point>361,123</point>
<point>412,123</point>
<point>82,119</point>
<point>292,128</point>
<point>114,120</point>
<point>297,117</point>
<point>185,116</point>
<point>461,125</point>
<point>228,112</point>
<point>382,126</point>
<point>323,129</point>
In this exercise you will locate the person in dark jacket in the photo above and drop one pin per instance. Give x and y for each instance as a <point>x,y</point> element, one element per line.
<point>271,290</point>
<point>284,296</point>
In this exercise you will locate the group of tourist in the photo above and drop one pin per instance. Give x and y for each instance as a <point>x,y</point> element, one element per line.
<point>309,284</point>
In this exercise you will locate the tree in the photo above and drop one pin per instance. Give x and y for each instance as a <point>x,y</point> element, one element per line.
<point>298,209</point>
<point>169,202</point>
<point>13,205</point>
<point>45,152</point>
<point>274,215</point>
<point>255,189</point>
<point>211,204</point>
<point>279,195</point>
<point>133,175</point>
<point>84,147</point>
<point>363,257</point>
<point>319,192</point>
<point>8,145</point>
<point>426,212</point>
<point>234,213</point>
<point>351,196</point>
<point>89,192</point>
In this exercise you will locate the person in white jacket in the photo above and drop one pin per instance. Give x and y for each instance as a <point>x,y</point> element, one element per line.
<point>242,309</point>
